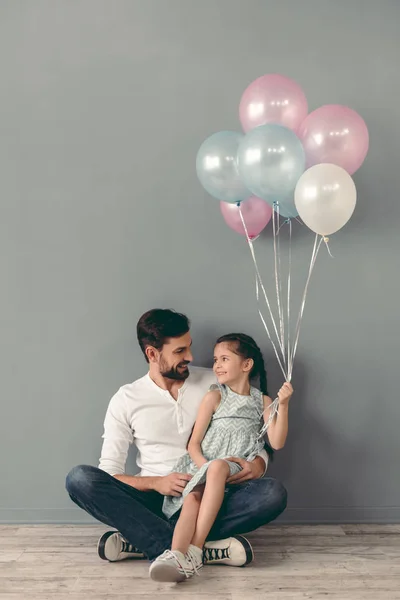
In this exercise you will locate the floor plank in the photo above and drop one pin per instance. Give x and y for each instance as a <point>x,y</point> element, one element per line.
<point>369,529</point>
<point>349,562</point>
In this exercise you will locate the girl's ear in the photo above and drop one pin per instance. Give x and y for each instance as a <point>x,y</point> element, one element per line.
<point>248,364</point>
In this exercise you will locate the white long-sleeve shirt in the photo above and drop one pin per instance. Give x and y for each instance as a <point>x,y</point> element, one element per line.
<point>148,416</point>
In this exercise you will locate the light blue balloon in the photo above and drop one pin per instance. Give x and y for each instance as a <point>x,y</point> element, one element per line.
<point>287,207</point>
<point>271,160</point>
<point>217,168</point>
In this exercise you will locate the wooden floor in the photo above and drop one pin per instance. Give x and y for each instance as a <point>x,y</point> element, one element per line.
<point>346,562</point>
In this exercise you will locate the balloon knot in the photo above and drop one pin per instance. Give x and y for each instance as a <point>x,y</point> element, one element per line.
<point>237,203</point>
<point>326,240</point>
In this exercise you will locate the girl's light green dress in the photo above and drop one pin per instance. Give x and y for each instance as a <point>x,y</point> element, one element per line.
<point>233,431</point>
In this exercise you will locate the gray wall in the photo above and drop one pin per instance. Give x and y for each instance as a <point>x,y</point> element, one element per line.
<point>103,105</point>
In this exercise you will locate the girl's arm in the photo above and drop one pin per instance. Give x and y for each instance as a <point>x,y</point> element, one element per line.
<point>278,429</point>
<point>207,408</point>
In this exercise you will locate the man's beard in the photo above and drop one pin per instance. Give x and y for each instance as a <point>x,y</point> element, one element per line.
<point>174,372</point>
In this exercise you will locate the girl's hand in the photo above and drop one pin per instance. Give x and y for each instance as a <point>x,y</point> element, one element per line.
<point>285,393</point>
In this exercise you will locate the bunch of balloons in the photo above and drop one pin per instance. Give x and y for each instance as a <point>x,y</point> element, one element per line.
<point>298,163</point>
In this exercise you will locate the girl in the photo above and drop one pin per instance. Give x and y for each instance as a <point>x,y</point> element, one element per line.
<point>228,424</point>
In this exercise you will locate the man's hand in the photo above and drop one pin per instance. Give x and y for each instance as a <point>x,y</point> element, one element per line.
<point>250,470</point>
<point>172,484</point>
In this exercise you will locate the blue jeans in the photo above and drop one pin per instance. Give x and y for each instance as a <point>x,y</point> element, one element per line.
<point>138,515</point>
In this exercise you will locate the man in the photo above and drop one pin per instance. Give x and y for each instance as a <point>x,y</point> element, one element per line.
<point>157,413</point>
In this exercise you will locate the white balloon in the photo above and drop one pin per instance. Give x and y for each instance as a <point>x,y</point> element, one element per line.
<point>325,197</point>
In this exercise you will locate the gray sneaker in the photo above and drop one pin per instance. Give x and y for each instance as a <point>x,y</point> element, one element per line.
<point>113,547</point>
<point>234,551</point>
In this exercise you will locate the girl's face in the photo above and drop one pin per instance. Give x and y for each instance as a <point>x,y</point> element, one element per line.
<point>229,366</point>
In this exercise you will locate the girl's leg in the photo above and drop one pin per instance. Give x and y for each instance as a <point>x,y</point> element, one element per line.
<point>186,524</point>
<point>213,496</point>
<point>195,521</point>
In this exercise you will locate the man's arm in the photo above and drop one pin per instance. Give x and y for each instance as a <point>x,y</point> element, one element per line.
<point>143,484</point>
<point>170,485</point>
<point>263,461</point>
<point>117,438</point>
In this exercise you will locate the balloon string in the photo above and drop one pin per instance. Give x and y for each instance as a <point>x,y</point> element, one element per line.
<point>278,284</point>
<point>268,333</point>
<point>289,290</point>
<point>259,283</point>
<point>273,410</point>
<point>291,352</point>
<point>280,294</point>
<point>285,222</point>
<point>314,255</point>
<point>274,405</point>
<point>301,310</point>
<point>289,220</point>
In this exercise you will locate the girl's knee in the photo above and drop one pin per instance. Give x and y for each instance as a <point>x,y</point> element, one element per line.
<point>218,467</point>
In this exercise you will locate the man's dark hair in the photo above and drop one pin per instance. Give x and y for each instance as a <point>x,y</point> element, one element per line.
<point>159,324</point>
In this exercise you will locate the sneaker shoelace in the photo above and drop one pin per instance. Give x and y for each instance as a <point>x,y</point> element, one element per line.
<point>210,554</point>
<point>127,547</point>
<point>168,554</point>
<point>193,560</point>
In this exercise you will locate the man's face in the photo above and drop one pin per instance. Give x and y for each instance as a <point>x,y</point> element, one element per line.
<point>175,356</point>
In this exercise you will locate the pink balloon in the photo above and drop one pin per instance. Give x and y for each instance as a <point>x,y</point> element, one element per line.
<point>256,215</point>
<point>273,99</point>
<point>335,134</point>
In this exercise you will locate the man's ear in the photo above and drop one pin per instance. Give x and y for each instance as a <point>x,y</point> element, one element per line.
<point>152,354</point>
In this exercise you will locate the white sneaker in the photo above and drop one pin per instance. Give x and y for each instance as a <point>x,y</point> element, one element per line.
<point>171,566</point>
<point>234,551</point>
<point>113,547</point>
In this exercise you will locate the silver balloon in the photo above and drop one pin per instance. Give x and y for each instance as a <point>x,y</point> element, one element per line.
<point>325,197</point>
<point>271,160</point>
<point>217,169</point>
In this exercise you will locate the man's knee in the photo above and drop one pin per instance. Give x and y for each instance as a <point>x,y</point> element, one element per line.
<point>270,498</point>
<point>80,480</point>
<point>279,496</point>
